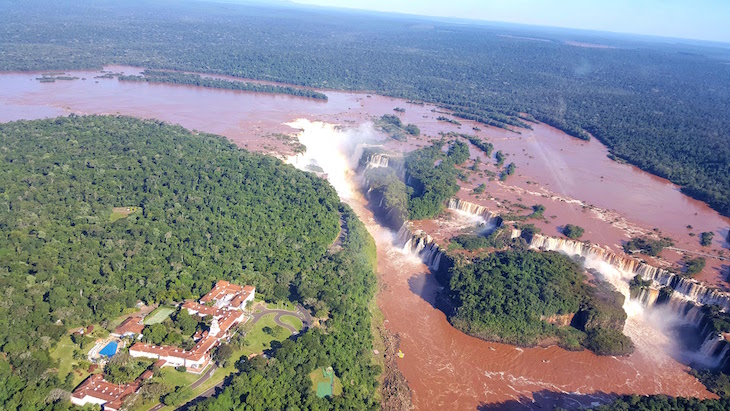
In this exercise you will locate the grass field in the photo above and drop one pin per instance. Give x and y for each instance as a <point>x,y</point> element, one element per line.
<point>292,320</point>
<point>317,377</point>
<point>121,212</point>
<point>259,340</point>
<point>158,315</point>
<point>175,378</point>
<point>282,305</point>
<point>64,354</point>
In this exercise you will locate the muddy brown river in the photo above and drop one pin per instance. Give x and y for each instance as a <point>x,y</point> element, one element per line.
<point>444,367</point>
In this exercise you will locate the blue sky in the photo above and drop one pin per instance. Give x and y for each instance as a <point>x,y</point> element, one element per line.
<point>691,19</point>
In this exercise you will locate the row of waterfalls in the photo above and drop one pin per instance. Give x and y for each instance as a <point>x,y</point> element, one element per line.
<point>682,299</point>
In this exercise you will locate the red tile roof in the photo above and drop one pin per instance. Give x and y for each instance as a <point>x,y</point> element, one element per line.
<point>96,386</point>
<point>220,290</point>
<point>130,325</point>
<point>202,309</point>
<point>223,289</point>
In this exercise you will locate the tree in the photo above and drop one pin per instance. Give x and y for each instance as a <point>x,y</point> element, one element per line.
<point>706,238</point>
<point>223,353</point>
<point>694,265</point>
<point>155,333</point>
<point>500,158</point>
<point>177,397</point>
<point>573,231</point>
<point>413,130</point>
<point>186,322</point>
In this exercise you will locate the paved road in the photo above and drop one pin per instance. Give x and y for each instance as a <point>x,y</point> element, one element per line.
<point>301,313</point>
<point>205,377</point>
<point>203,395</point>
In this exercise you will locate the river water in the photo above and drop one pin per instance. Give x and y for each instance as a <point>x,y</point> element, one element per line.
<point>444,367</point>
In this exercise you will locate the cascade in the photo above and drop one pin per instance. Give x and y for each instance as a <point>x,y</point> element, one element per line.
<point>421,245</point>
<point>716,348</point>
<point>686,288</point>
<point>491,220</point>
<point>377,160</point>
<point>367,161</point>
<point>685,311</point>
<point>648,296</point>
<point>684,305</point>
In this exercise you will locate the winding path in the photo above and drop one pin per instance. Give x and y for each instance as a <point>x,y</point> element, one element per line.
<point>300,313</point>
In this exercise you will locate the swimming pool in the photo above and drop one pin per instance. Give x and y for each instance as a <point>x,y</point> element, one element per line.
<point>109,349</point>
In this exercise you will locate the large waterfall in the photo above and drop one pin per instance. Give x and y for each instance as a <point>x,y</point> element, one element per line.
<point>682,305</point>
<point>685,288</point>
<point>377,161</point>
<point>420,244</point>
<point>368,160</point>
<point>491,220</point>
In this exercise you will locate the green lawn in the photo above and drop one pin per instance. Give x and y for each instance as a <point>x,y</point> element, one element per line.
<point>259,340</point>
<point>293,321</point>
<point>64,355</point>
<point>175,378</point>
<point>158,315</point>
<point>282,305</point>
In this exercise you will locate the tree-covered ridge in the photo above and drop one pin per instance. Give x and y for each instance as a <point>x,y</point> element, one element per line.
<point>664,403</point>
<point>207,211</point>
<point>520,297</point>
<point>659,106</point>
<point>344,283</point>
<point>431,177</point>
<point>158,76</point>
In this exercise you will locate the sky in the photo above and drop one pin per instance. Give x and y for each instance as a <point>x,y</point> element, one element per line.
<point>689,19</point>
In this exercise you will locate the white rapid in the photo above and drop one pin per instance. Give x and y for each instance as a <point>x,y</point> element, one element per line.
<point>327,146</point>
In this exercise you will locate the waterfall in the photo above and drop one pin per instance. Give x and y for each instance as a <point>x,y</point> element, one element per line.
<point>421,245</point>
<point>491,220</point>
<point>648,296</point>
<point>715,349</point>
<point>685,288</point>
<point>377,161</point>
<point>682,306</point>
<point>367,159</point>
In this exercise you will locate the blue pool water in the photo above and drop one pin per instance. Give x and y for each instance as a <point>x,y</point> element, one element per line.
<point>109,349</point>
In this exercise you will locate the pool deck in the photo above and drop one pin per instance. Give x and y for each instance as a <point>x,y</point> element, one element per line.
<point>95,353</point>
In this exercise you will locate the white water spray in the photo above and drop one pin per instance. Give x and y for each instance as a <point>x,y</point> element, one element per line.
<point>327,148</point>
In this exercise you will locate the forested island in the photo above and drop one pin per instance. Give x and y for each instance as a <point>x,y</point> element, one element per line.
<point>632,95</point>
<point>172,77</point>
<point>528,297</point>
<point>202,210</point>
<point>431,176</point>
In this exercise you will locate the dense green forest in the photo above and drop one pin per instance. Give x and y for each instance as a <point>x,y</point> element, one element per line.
<point>431,177</point>
<point>658,105</point>
<point>664,403</point>
<point>518,297</point>
<point>206,210</point>
<point>158,76</point>
<point>345,283</point>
